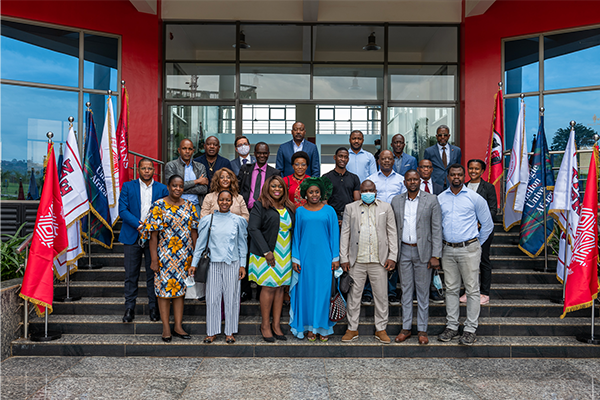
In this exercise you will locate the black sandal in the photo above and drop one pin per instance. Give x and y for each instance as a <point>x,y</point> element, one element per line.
<point>209,339</point>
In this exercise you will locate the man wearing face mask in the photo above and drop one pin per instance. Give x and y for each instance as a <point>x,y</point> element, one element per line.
<point>370,223</point>
<point>242,148</point>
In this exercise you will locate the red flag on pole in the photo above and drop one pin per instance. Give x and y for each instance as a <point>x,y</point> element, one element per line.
<point>493,157</point>
<point>582,285</point>
<point>123,138</point>
<point>49,241</point>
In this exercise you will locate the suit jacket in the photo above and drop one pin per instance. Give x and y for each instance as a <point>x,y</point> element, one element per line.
<point>236,164</point>
<point>488,192</point>
<point>177,167</point>
<point>429,224</point>
<point>264,227</point>
<point>245,179</point>
<point>130,208</point>
<point>220,162</point>
<point>284,158</point>
<point>440,174</point>
<point>386,233</point>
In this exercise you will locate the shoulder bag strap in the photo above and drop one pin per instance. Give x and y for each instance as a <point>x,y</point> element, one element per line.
<point>206,249</point>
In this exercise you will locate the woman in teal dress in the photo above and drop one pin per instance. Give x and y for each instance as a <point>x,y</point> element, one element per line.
<point>270,231</point>
<point>171,229</point>
<point>315,253</point>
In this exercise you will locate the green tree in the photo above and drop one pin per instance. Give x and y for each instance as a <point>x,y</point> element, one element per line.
<point>584,137</point>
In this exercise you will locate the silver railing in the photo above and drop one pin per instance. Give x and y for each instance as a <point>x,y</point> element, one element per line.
<point>160,163</point>
<point>24,247</point>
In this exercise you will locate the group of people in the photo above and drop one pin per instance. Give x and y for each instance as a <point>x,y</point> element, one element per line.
<point>293,232</point>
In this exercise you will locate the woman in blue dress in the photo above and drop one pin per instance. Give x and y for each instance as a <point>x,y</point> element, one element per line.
<point>315,253</point>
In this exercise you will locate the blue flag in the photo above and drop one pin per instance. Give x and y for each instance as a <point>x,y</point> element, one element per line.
<point>532,236</point>
<point>60,164</point>
<point>100,230</point>
<point>33,192</point>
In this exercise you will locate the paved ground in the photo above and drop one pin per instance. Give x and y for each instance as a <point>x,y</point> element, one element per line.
<point>297,378</point>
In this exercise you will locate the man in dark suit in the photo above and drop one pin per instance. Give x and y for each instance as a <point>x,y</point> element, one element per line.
<point>425,170</point>
<point>242,148</point>
<point>135,202</point>
<point>442,155</point>
<point>287,149</point>
<point>211,159</point>
<point>251,180</point>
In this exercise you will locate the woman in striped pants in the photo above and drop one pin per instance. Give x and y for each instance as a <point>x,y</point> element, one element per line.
<point>228,248</point>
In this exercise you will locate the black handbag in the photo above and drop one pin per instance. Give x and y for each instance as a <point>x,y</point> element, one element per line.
<point>346,282</point>
<point>337,305</point>
<point>204,263</point>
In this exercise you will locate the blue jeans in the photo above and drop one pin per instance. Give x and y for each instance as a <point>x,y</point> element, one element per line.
<point>392,282</point>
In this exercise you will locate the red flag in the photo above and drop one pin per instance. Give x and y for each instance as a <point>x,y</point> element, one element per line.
<point>123,139</point>
<point>21,195</point>
<point>582,285</point>
<point>493,157</point>
<point>49,241</point>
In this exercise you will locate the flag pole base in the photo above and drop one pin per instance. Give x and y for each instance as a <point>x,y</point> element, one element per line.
<point>45,337</point>
<point>67,299</point>
<point>588,338</point>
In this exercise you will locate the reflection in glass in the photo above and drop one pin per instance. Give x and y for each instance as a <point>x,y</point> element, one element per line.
<point>197,123</point>
<point>203,81</point>
<point>345,82</point>
<point>346,42</point>
<point>27,114</point>
<point>521,64</point>
<point>567,55</point>
<point>423,44</point>
<point>418,126</point>
<point>99,106</point>
<point>100,64</point>
<point>276,43</point>
<point>272,81</point>
<point>265,119</point>
<point>341,120</point>
<point>532,121</point>
<point>200,42</point>
<point>423,82</point>
<point>38,54</point>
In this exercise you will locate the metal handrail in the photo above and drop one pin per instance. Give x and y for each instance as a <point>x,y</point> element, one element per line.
<point>24,247</point>
<point>26,243</point>
<point>135,155</point>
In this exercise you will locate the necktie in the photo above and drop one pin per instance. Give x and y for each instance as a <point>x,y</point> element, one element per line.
<point>257,186</point>
<point>444,158</point>
<point>244,161</point>
<point>426,187</point>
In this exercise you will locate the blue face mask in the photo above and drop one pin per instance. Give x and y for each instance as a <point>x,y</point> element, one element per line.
<point>368,198</point>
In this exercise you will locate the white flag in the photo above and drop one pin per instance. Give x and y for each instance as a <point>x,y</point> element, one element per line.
<point>75,205</point>
<point>565,206</point>
<point>517,176</point>
<point>110,162</point>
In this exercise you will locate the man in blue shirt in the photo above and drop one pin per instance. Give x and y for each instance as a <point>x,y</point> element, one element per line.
<point>298,143</point>
<point>402,161</point>
<point>360,162</point>
<point>462,211</point>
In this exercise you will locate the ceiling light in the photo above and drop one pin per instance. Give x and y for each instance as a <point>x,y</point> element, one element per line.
<point>372,45</point>
<point>243,44</point>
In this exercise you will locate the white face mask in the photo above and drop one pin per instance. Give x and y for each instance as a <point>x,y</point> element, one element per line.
<point>243,150</point>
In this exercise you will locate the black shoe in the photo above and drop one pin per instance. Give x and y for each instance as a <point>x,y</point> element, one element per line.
<point>129,315</point>
<point>167,339</point>
<point>180,336</point>
<point>448,335</point>
<point>468,338</point>
<point>267,339</point>
<point>366,300</point>
<point>245,297</point>
<point>154,315</point>
<point>415,301</point>
<point>393,300</point>
<point>278,337</point>
<point>435,297</point>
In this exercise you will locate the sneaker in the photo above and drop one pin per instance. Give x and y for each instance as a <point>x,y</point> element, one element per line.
<point>393,300</point>
<point>468,338</point>
<point>383,337</point>
<point>435,297</point>
<point>463,298</point>
<point>415,301</point>
<point>367,300</point>
<point>349,336</point>
<point>447,335</point>
<point>483,299</point>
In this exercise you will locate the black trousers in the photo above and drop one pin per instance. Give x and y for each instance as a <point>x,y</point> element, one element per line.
<point>133,263</point>
<point>485,266</point>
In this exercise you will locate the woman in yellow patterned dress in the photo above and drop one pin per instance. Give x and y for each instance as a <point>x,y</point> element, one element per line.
<point>171,229</point>
<point>270,231</point>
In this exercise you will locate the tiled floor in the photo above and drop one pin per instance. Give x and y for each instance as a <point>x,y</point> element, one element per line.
<point>297,378</point>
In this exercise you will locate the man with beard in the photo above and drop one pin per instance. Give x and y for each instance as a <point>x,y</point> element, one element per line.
<point>360,162</point>
<point>346,185</point>
<point>211,159</point>
<point>298,143</point>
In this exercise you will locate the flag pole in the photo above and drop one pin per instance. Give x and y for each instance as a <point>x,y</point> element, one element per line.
<point>590,338</point>
<point>542,109</point>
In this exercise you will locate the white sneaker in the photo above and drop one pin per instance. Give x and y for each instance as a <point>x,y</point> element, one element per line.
<point>483,299</point>
<point>463,298</point>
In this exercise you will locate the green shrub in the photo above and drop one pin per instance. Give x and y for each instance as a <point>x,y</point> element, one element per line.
<point>12,262</point>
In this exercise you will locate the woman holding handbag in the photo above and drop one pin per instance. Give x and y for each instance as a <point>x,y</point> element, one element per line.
<point>224,235</point>
<point>171,229</point>
<point>270,230</point>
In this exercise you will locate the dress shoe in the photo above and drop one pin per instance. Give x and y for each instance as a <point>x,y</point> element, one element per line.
<point>278,337</point>
<point>270,339</point>
<point>167,339</point>
<point>154,315</point>
<point>349,336</point>
<point>423,339</point>
<point>403,335</point>
<point>129,315</point>
<point>383,337</point>
<point>180,336</point>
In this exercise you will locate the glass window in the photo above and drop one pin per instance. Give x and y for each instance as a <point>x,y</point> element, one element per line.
<point>275,81</point>
<point>567,55</point>
<point>423,44</point>
<point>27,114</point>
<point>342,120</point>
<point>197,123</point>
<point>100,66</point>
<point>418,126</point>
<point>200,42</point>
<point>268,119</point>
<point>346,43</point>
<point>99,107</point>
<point>423,82</point>
<point>521,65</point>
<point>200,81</point>
<point>276,43</point>
<point>345,82</point>
<point>39,54</point>
<point>532,120</point>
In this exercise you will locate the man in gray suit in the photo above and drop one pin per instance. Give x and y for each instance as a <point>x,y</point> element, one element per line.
<point>419,226</point>
<point>195,181</point>
<point>368,248</point>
